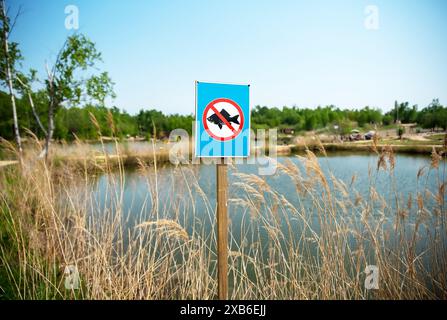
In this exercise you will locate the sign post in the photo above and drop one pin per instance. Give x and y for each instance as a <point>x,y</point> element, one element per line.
<point>222,131</point>
<point>222,230</point>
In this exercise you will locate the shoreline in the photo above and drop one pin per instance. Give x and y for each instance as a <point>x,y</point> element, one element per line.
<point>130,159</point>
<point>356,147</point>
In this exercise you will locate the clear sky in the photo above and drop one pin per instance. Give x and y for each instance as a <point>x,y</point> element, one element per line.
<point>303,53</point>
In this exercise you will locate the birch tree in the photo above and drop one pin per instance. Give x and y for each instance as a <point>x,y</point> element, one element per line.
<point>65,82</point>
<point>9,56</point>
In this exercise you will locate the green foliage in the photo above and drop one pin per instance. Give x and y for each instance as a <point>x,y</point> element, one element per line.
<point>300,119</point>
<point>76,119</point>
<point>313,119</point>
<point>99,87</point>
<point>387,120</point>
<point>311,122</point>
<point>14,57</point>
<point>346,126</point>
<point>6,123</point>
<point>403,113</point>
<point>66,85</point>
<point>433,116</point>
<point>150,120</point>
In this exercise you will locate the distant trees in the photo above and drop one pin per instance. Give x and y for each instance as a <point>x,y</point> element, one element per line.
<point>75,119</point>
<point>152,122</point>
<point>433,116</point>
<point>311,122</point>
<point>387,120</point>
<point>264,117</point>
<point>305,119</point>
<point>301,119</point>
<point>402,112</point>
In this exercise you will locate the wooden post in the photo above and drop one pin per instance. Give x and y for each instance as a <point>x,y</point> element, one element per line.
<point>222,230</point>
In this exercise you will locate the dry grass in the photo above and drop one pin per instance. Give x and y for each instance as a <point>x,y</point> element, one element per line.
<point>316,250</point>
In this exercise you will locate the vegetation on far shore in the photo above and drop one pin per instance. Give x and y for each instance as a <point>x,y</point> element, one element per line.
<point>75,121</point>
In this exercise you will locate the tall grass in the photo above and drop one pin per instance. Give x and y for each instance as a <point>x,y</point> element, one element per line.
<point>315,250</point>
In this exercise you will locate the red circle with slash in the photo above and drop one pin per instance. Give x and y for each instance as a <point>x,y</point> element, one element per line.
<point>222,118</point>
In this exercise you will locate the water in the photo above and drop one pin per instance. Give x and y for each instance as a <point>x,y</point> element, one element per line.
<point>188,194</point>
<point>171,181</point>
<point>179,197</point>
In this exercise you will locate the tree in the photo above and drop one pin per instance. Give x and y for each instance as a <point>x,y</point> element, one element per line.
<point>362,118</point>
<point>433,116</point>
<point>290,116</point>
<point>387,120</point>
<point>9,56</point>
<point>345,127</point>
<point>62,86</point>
<point>311,122</point>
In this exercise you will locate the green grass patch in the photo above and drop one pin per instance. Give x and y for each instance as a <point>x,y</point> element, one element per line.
<point>437,137</point>
<point>405,142</point>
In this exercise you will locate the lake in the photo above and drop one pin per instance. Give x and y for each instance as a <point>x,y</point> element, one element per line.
<point>188,193</point>
<point>306,213</point>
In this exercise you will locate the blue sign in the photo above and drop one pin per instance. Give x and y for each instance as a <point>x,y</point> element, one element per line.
<point>222,120</point>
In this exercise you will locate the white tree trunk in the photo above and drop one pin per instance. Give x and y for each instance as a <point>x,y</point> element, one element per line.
<point>36,116</point>
<point>31,102</point>
<point>9,79</point>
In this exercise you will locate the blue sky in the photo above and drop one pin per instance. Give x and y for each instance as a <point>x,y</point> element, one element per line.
<point>303,53</point>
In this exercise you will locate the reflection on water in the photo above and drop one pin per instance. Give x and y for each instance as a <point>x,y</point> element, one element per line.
<point>173,184</point>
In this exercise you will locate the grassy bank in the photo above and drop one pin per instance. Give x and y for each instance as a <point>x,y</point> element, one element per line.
<point>409,148</point>
<point>369,147</point>
<point>317,250</point>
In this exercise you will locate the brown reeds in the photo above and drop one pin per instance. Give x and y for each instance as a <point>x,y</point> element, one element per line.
<point>317,248</point>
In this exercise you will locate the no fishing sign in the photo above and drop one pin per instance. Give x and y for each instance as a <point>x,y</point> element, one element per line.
<point>222,120</point>
<point>222,131</point>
